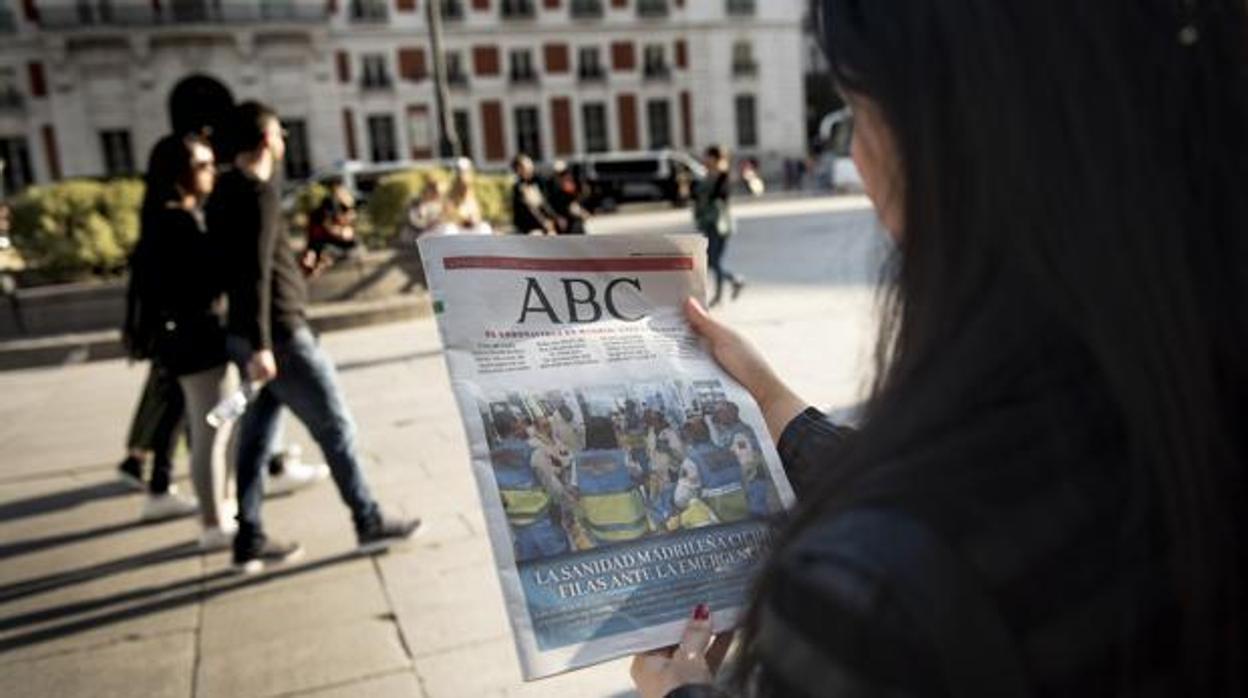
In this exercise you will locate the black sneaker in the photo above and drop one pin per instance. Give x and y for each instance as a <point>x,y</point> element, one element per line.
<point>377,533</point>
<point>267,552</point>
<point>738,285</point>
<point>130,471</point>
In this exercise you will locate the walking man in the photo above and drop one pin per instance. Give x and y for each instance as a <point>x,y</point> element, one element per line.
<point>269,336</point>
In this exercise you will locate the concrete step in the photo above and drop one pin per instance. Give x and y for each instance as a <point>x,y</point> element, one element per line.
<point>102,345</point>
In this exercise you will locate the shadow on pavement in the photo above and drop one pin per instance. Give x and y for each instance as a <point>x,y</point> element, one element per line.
<point>39,585</point>
<point>386,360</point>
<point>65,499</point>
<point>32,545</point>
<point>152,599</point>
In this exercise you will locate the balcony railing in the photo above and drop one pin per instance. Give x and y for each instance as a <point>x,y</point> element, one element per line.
<point>457,80</point>
<point>740,8</point>
<point>651,8</point>
<point>595,74</point>
<point>586,9</point>
<point>11,100</point>
<point>744,68</point>
<point>523,77</point>
<point>519,9</point>
<point>656,71</point>
<point>370,11</point>
<point>376,82</point>
<point>8,23</point>
<point>141,13</point>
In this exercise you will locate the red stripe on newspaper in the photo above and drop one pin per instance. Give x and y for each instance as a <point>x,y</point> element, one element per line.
<point>541,264</point>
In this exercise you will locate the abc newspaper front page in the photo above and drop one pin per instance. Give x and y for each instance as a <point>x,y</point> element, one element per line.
<point>623,475</point>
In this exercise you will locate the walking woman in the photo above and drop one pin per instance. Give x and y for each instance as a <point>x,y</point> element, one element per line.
<point>1047,495</point>
<point>714,220</point>
<point>182,286</point>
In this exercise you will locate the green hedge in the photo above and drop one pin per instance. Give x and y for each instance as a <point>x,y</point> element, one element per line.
<point>387,205</point>
<point>77,228</point>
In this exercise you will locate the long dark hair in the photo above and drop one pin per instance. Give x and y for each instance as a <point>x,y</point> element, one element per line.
<point>1075,179</point>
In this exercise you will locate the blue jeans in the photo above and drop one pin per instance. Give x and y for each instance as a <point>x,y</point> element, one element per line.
<point>307,384</point>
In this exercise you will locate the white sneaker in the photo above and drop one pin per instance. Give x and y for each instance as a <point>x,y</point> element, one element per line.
<point>216,538</point>
<point>295,476</point>
<point>169,505</point>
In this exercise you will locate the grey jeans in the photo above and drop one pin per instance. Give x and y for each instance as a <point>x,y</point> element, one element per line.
<point>212,454</point>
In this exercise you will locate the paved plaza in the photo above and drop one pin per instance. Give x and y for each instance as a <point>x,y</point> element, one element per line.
<point>94,604</point>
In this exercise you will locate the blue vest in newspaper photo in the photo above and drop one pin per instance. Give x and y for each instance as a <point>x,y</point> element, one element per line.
<point>723,488</point>
<point>526,502</point>
<point>611,503</point>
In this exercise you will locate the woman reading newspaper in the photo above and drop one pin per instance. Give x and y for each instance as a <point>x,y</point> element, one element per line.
<point>1047,495</point>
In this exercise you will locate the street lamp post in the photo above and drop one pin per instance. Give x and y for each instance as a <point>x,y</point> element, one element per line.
<point>448,139</point>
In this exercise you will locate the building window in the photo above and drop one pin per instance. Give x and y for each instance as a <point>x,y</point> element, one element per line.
<point>298,160</point>
<point>452,9</point>
<point>528,135</point>
<point>118,156</point>
<point>456,76</point>
<point>373,73</point>
<point>368,11</point>
<point>740,8</point>
<point>589,64</point>
<point>747,125</point>
<point>594,121</point>
<point>519,9</point>
<point>10,95</point>
<point>463,129</point>
<point>381,143</point>
<point>654,63</point>
<point>17,173</point>
<point>522,66</point>
<point>659,123</point>
<point>586,9</point>
<point>743,59</point>
<point>651,8</point>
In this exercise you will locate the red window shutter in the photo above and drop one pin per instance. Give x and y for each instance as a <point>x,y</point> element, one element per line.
<point>485,60</point>
<point>51,151</point>
<point>561,124</point>
<point>405,5</point>
<point>556,58</point>
<point>626,107</point>
<point>686,119</point>
<point>348,132</point>
<point>344,66</point>
<point>619,3</point>
<point>330,5</point>
<point>551,4</point>
<point>38,83</point>
<point>622,56</point>
<point>492,128</point>
<point>682,54</point>
<point>412,64</point>
<point>481,5</point>
<point>30,10</point>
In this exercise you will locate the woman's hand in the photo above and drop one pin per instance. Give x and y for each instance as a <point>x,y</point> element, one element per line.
<point>659,672</point>
<point>742,361</point>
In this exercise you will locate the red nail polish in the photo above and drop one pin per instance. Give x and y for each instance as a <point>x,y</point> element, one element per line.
<point>701,612</point>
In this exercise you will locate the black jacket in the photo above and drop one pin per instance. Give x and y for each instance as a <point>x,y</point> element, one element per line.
<point>266,290</point>
<point>179,280</point>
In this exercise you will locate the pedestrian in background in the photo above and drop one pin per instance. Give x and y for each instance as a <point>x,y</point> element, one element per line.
<point>182,284</point>
<point>566,201</point>
<point>530,212</point>
<point>713,219</point>
<point>331,230</point>
<point>268,335</point>
<point>462,210</point>
<point>1047,495</point>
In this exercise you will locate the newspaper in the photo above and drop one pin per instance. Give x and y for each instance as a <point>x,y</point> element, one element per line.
<point>624,477</point>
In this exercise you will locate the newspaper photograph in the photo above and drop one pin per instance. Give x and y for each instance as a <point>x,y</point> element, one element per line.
<point>623,476</point>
